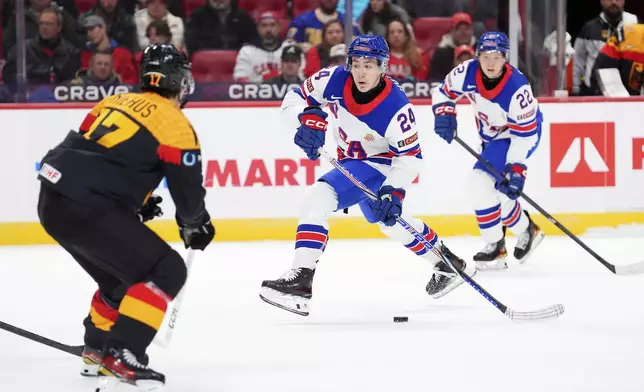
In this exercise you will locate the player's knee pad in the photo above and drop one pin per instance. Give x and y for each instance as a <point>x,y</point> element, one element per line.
<point>321,201</point>
<point>169,274</point>
<point>481,189</point>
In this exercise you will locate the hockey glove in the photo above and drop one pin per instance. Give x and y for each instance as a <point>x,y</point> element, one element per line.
<point>197,237</point>
<point>445,120</point>
<point>388,207</point>
<point>150,209</point>
<point>312,133</point>
<point>512,185</point>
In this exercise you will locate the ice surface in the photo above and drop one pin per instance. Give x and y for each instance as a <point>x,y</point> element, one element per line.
<point>228,340</point>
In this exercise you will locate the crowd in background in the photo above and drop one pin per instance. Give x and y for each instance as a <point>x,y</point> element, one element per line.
<point>99,42</point>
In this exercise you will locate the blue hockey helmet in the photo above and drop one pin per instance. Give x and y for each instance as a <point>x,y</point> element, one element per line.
<point>493,41</point>
<point>370,47</point>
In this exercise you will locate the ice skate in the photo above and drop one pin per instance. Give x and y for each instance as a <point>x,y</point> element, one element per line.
<point>92,358</point>
<point>528,241</point>
<point>91,361</point>
<point>444,279</point>
<point>121,366</point>
<point>291,292</point>
<point>492,257</point>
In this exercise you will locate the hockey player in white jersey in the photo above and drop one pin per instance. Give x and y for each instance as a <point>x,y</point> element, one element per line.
<point>378,143</point>
<point>509,124</point>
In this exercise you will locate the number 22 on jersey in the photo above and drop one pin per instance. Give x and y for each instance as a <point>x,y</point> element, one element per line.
<point>112,127</point>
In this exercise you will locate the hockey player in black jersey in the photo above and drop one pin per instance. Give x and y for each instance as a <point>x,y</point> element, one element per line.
<point>95,195</point>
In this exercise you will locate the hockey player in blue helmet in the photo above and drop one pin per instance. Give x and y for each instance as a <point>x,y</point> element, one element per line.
<point>509,124</point>
<point>374,127</point>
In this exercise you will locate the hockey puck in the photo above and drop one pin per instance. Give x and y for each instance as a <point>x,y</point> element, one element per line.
<point>401,319</point>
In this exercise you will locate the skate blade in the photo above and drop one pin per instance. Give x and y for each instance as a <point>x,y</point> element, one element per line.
<point>454,284</point>
<point>89,368</point>
<point>291,303</point>
<point>494,265</point>
<point>535,244</point>
<point>114,384</point>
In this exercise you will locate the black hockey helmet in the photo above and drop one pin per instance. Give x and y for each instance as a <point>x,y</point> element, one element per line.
<point>166,68</point>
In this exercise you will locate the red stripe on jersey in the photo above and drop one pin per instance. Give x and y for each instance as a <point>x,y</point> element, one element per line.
<point>430,236</point>
<point>87,123</point>
<point>524,128</point>
<point>489,217</point>
<point>310,236</point>
<point>511,220</point>
<point>449,92</point>
<point>417,248</point>
<point>149,294</point>
<point>611,51</point>
<point>103,309</point>
<point>169,154</point>
<point>637,57</point>
<point>410,153</point>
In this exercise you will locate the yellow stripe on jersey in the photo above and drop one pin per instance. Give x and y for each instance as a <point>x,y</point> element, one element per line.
<point>141,311</point>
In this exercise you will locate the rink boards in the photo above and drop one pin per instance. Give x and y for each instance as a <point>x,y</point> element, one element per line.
<point>587,171</point>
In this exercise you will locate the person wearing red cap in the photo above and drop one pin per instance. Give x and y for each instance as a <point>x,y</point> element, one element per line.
<point>463,53</point>
<point>461,33</point>
<point>260,59</point>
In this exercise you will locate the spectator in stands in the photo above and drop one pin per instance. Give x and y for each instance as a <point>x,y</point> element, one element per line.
<point>318,56</point>
<point>158,33</point>
<point>98,40</point>
<point>157,10</point>
<point>378,15</point>
<point>49,58</point>
<point>100,72</point>
<point>260,60</point>
<point>338,55</point>
<point>462,54</point>
<point>307,28</point>
<point>219,24</point>
<point>407,61</point>
<point>461,34</point>
<point>290,67</point>
<point>424,8</point>
<point>358,7</point>
<point>120,24</point>
<point>8,9</point>
<point>592,38</point>
<point>32,16</point>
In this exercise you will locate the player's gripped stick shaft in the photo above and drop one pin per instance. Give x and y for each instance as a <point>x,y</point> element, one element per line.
<point>548,312</point>
<point>631,269</point>
<point>164,335</point>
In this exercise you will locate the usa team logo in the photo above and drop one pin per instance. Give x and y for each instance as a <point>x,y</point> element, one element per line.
<point>582,155</point>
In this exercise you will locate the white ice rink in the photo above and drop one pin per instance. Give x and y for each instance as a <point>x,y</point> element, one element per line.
<point>228,340</point>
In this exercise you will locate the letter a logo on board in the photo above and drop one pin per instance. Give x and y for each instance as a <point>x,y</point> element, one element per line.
<point>582,155</point>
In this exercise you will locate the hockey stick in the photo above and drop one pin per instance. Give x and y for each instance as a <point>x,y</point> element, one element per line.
<point>549,312</point>
<point>631,269</point>
<point>74,350</point>
<point>164,335</point>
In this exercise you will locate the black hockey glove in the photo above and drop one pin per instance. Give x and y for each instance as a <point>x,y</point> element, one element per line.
<point>197,237</point>
<point>150,209</point>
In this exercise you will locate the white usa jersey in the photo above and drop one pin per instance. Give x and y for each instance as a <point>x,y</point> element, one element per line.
<point>510,110</point>
<point>382,133</point>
